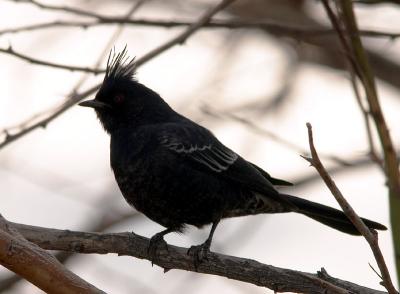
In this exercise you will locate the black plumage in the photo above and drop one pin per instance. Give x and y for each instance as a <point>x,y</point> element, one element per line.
<point>177,173</point>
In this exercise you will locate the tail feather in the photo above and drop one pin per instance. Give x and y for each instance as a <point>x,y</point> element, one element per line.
<point>329,216</point>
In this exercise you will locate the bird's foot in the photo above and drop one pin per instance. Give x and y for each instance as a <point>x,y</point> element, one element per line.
<point>156,242</point>
<point>199,253</point>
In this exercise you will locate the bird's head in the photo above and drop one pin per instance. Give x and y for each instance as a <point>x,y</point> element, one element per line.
<point>122,101</point>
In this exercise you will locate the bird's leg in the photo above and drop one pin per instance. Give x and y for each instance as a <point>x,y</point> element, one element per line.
<point>155,242</point>
<point>200,252</point>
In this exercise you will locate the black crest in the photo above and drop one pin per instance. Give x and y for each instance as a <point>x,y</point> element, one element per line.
<point>120,66</point>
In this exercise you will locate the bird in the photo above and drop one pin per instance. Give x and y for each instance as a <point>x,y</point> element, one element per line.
<point>177,173</point>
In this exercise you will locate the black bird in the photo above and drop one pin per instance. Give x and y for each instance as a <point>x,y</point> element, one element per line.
<point>177,173</point>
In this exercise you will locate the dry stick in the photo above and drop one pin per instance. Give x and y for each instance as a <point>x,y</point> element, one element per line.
<point>370,235</point>
<point>12,52</point>
<point>173,257</point>
<point>36,265</point>
<point>73,99</point>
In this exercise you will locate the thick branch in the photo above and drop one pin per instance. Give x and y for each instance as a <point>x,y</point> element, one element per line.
<point>246,270</point>
<point>36,265</point>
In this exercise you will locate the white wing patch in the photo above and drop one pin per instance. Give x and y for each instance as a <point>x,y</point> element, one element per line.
<point>216,158</point>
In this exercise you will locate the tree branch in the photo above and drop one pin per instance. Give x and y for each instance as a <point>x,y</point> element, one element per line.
<point>12,52</point>
<point>42,119</point>
<point>278,28</point>
<point>358,58</point>
<point>370,235</point>
<point>36,265</point>
<point>241,269</point>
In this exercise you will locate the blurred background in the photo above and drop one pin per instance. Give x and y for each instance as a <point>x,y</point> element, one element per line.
<point>255,86</point>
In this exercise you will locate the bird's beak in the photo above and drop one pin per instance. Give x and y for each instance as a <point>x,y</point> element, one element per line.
<point>95,104</point>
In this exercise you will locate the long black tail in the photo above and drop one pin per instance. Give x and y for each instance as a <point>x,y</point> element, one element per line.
<point>329,216</point>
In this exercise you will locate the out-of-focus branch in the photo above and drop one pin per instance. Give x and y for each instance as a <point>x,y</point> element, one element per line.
<point>370,235</point>
<point>36,265</point>
<point>67,9</point>
<point>279,28</point>
<point>271,135</point>
<point>357,56</point>
<point>367,78</point>
<point>371,2</point>
<point>12,52</point>
<point>372,149</point>
<point>241,269</point>
<point>109,218</point>
<point>41,120</point>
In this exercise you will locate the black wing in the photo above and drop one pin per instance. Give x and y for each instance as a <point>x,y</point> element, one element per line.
<point>203,150</point>
<point>198,146</point>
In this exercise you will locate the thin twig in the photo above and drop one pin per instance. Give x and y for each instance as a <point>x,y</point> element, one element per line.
<point>273,26</point>
<point>67,9</point>
<point>107,220</point>
<point>12,52</point>
<point>372,149</point>
<point>361,66</point>
<point>370,235</point>
<point>271,135</point>
<point>49,115</point>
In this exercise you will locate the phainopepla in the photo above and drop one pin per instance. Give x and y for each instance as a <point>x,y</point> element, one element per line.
<point>177,173</point>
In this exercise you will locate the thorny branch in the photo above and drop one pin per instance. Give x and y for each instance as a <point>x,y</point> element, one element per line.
<point>370,235</point>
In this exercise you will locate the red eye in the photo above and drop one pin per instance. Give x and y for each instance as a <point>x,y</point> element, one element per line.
<point>119,98</point>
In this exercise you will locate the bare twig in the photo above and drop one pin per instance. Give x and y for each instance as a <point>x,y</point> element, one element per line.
<point>271,135</point>
<point>370,235</point>
<point>36,265</point>
<point>275,27</point>
<point>372,149</point>
<point>68,9</point>
<point>361,66</point>
<point>363,70</point>
<point>49,115</point>
<point>107,220</point>
<point>173,257</point>
<point>12,52</point>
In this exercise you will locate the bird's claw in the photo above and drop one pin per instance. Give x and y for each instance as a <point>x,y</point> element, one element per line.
<point>155,243</point>
<point>199,253</point>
